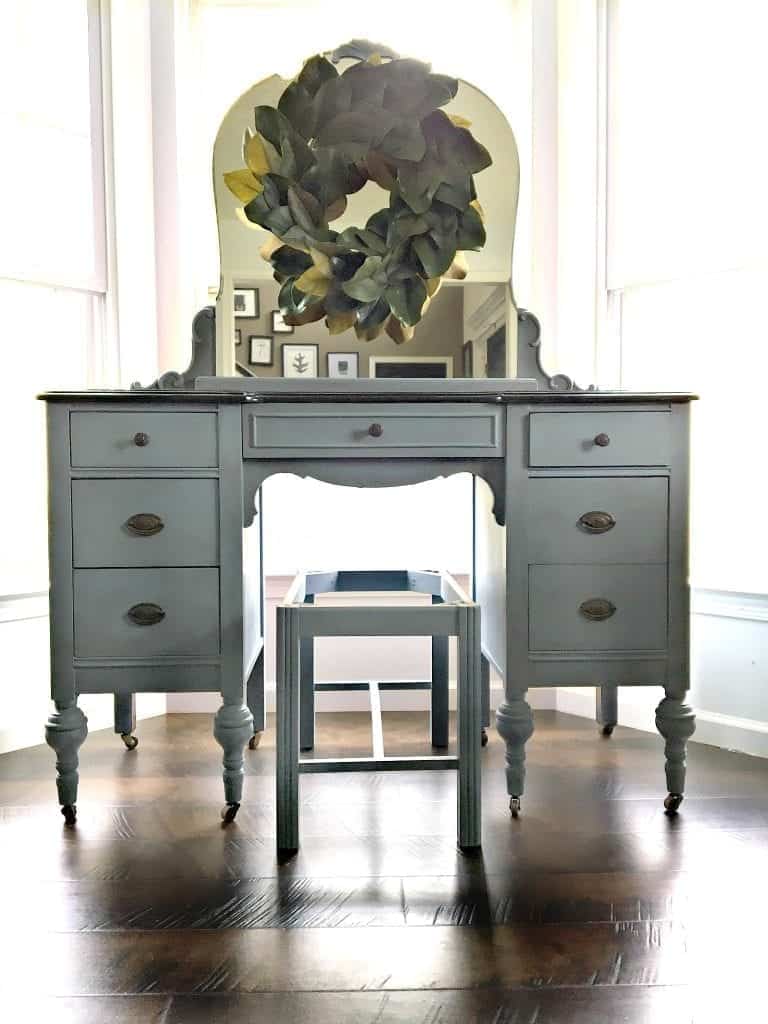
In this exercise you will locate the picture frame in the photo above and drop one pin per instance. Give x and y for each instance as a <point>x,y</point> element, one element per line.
<point>260,350</point>
<point>279,326</point>
<point>300,361</point>
<point>467,360</point>
<point>238,337</point>
<point>245,303</point>
<point>343,364</point>
<point>440,367</point>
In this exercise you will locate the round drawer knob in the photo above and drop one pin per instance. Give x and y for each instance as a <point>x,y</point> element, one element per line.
<point>597,609</point>
<point>140,439</point>
<point>146,614</point>
<point>602,440</point>
<point>375,430</point>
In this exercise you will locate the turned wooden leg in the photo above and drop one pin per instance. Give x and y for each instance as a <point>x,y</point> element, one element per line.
<point>676,722</point>
<point>125,719</point>
<point>65,732</point>
<point>607,708</point>
<point>255,700</point>
<point>514,721</point>
<point>233,727</point>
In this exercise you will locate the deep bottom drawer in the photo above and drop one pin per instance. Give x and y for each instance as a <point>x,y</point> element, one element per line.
<point>598,608</point>
<point>144,613</point>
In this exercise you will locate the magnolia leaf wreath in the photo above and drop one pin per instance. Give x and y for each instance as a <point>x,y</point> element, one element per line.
<point>330,134</point>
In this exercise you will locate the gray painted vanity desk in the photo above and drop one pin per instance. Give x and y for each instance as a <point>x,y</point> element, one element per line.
<point>580,537</point>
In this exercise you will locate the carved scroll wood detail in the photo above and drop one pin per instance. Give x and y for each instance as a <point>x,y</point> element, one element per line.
<point>203,362</point>
<point>529,357</point>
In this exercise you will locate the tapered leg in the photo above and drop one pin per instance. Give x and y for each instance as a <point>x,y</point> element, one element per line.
<point>125,719</point>
<point>307,709</point>
<point>607,708</point>
<point>438,723</point>
<point>65,732</point>
<point>287,736</point>
<point>469,686</point>
<point>233,727</point>
<point>485,698</point>
<point>514,721</point>
<point>255,700</point>
<point>676,722</point>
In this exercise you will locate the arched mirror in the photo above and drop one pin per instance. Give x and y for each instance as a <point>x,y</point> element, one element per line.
<point>469,327</point>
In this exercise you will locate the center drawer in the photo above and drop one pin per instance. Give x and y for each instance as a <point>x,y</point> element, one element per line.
<point>145,522</point>
<point>372,430</point>
<point>146,613</point>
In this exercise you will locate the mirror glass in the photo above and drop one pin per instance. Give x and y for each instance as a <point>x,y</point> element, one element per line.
<point>465,331</point>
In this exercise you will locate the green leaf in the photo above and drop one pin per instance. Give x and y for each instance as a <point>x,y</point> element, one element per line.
<point>296,104</point>
<point>306,210</point>
<point>372,314</point>
<point>363,240</point>
<point>404,141</point>
<point>369,282</point>
<point>459,195</point>
<point>471,234</point>
<point>316,71</point>
<point>338,302</point>
<point>435,254</point>
<point>290,262</point>
<point>406,300</point>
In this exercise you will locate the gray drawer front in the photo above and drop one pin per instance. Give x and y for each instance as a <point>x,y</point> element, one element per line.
<point>175,439</point>
<point>189,598</point>
<point>639,593</point>
<point>415,430</point>
<point>568,438</point>
<point>638,506</point>
<point>102,535</point>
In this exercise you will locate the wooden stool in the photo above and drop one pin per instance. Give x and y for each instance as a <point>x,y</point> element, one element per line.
<point>299,621</point>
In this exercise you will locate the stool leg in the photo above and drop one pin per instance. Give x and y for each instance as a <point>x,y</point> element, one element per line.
<point>255,700</point>
<point>485,698</point>
<point>307,690</point>
<point>439,693</point>
<point>469,700</point>
<point>287,734</point>
<point>607,708</point>
<point>125,718</point>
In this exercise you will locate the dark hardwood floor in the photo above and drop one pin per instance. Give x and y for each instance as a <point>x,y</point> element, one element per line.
<point>592,907</point>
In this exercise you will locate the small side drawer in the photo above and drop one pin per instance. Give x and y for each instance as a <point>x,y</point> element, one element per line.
<point>595,438</point>
<point>145,522</point>
<point>373,430</point>
<point>108,603</point>
<point>567,604</point>
<point>143,440</point>
<point>597,519</point>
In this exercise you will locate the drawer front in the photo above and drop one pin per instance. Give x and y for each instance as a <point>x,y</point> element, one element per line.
<point>607,438</point>
<point>598,519</point>
<point>144,440</point>
<point>402,430</point>
<point>567,604</point>
<point>115,611</point>
<point>145,522</point>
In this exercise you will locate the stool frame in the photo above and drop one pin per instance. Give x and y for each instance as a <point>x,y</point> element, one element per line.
<point>299,621</point>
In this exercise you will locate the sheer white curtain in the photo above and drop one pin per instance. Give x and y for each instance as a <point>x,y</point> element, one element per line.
<point>687,250</point>
<point>52,251</point>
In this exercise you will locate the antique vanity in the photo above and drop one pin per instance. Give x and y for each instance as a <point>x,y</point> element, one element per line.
<point>580,525</point>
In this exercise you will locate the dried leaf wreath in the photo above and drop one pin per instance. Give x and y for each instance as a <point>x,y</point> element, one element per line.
<point>332,133</point>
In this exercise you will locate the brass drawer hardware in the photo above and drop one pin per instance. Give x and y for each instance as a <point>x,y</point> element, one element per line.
<point>140,439</point>
<point>597,609</point>
<point>597,522</point>
<point>375,430</point>
<point>146,614</point>
<point>602,440</point>
<point>144,524</point>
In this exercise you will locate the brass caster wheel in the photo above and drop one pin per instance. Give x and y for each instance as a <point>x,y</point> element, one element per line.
<point>483,737</point>
<point>514,806</point>
<point>70,814</point>
<point>130,741</point>
<point>672,803</point>
<point>229,812</point>
<point>607,730</point>
<point>254,741</point>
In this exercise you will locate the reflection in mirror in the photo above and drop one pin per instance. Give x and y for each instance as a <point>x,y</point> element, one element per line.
<point>469,327</point>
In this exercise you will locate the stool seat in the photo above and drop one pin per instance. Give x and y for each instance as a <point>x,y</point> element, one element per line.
<point>299,621</point>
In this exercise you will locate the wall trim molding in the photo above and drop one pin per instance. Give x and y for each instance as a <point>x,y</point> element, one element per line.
<point>17,607</point>
<point>490,311</point>
<point>729,604</point>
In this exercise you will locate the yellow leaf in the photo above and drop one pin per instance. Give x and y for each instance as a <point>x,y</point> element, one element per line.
<point>368,333</point>
<point>272,243</point>
<point>337,323</point>
<point>322,262</point>
<point>255,154</point>
<point>313,282</point>
<point>375,58</point>
<point>459,121</point>
<point>243,184</point>
<point>475,204</point>
<point>459,269</point>
<point>433,285</point>
<point>399,332</point>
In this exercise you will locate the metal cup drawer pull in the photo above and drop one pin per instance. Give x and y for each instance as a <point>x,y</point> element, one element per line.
<point>597,522</point>
<point>597,609</point>
<point>602,440</point>
<point>146,614</point>
<point>144,524</point>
